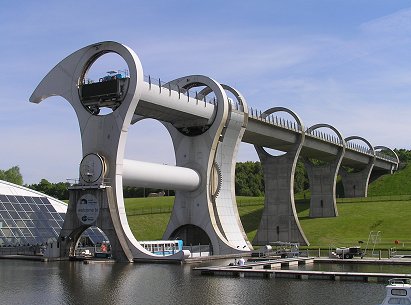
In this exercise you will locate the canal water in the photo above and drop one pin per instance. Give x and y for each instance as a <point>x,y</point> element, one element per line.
<point>27,282</point>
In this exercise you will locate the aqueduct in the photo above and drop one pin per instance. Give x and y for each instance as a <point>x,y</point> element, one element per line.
<point>206,129</point>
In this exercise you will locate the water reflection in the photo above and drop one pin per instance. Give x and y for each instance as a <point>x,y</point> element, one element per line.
<point>400,269</point>
<point>23,282</point>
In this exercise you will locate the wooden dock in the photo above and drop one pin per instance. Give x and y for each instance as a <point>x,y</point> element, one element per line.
<point>272,269</point>
<point>277,263</point>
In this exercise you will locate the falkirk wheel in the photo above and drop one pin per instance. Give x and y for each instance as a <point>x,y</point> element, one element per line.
<point>206,129</point>
<point>204,149</point>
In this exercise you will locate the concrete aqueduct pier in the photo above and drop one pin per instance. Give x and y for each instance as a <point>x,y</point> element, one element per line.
<point>206,129</point>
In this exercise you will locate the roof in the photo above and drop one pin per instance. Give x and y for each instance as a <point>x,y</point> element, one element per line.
<point>28,217</point>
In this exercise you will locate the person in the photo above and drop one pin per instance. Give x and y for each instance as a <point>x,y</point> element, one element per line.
<point>241,261</point>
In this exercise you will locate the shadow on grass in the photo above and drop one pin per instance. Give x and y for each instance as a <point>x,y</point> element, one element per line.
<point>302,205</point>
<point>251,220</point>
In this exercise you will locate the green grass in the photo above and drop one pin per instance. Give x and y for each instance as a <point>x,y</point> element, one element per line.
<point>355,221</point>
<point>244,201</point>
<point>148,227</point>
<point>395,184</point>
<point>384,210</point>
<point>148,202</point>
<point>148,205</point>
<point>250,218</point>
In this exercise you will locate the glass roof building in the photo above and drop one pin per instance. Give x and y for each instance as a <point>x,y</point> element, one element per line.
<point>28,217</point>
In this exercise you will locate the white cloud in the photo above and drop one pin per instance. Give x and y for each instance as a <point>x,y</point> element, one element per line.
<point>398,23</point>
<point>360,83</point>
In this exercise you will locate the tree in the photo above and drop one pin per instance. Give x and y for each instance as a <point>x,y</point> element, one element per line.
<point>300,178</point>
<point>249,179</point>
<point>12,175</point>
<point>57,190</point>
<point>403,154</point>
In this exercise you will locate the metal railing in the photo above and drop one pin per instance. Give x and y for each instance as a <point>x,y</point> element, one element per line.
<point>23,250</point>
<point>199,250</point>
<point>75,182</point>
<point>274,120</point>
<point>165,210</point>
<point>405,197</point>
<point>148,211</point>
<point>158,84</point>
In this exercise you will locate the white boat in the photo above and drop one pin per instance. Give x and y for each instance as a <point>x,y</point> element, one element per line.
<point>398,292</point>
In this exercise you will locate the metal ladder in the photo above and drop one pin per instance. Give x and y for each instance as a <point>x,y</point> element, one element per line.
<point>374,238</point>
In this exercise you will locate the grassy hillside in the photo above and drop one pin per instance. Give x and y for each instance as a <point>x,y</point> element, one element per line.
<point>382,211</point>
<point>355,221</point>
<point>395,184</point>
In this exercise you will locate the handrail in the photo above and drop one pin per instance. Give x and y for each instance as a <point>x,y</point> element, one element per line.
<point>258,115</point>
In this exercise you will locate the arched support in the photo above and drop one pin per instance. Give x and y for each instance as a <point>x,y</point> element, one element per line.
<point>395,156</point>
<point>193,235</point>
<point>74,226</point>
<point>279,221</point>
<point>103,142</point>
<point>356,183</point>
<point>376,174</point>
<point>225,198</point>
<point>323,180</point>
<point>199,152</point>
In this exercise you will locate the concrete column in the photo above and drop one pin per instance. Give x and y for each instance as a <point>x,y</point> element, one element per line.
<point>356,183</point>
<point>200,210</point>
<point>323,179</point>
<point>322,186</point>
<point>279,221</point>
<point>101,200</point>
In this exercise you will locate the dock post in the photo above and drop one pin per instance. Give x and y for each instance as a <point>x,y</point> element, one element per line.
<point>268,275</point>
<point>337,278</point>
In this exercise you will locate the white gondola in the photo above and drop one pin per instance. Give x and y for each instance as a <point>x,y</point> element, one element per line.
<point>163,247</point>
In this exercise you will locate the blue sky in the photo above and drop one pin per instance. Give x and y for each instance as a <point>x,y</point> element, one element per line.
<point>345,63</point>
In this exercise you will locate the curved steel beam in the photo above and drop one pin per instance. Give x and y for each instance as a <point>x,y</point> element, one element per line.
<point>240,98</point>
<point>297,119</point>
<point>387,148</point>
<point>323,125</point>
<point>64,79</point>
<point>365,141</point>
<point>284,109</point>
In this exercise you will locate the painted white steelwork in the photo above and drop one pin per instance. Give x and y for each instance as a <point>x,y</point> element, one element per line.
<point>144,174</point>
<point>206,128</point>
